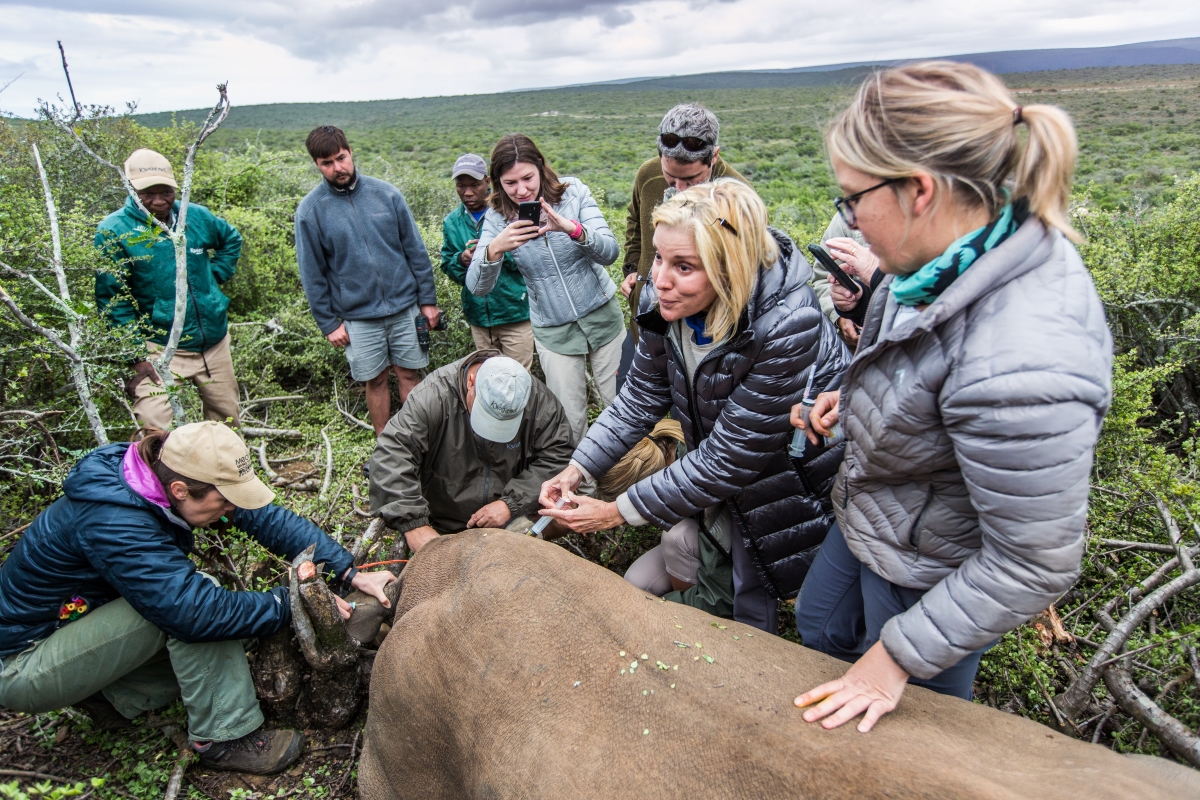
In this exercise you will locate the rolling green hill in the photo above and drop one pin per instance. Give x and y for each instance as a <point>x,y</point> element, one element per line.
<point>1138,128</point>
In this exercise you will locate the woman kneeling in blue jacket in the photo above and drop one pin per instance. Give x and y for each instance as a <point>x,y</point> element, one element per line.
<point>100,605</point>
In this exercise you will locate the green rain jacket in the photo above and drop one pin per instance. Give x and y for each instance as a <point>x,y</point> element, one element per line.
<point>505,304</point>
<point>145,260</point>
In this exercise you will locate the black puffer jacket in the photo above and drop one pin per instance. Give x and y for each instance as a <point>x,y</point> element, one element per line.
<point>736,420</point>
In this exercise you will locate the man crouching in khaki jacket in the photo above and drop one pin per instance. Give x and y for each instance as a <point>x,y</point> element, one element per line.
<point>470,448</point>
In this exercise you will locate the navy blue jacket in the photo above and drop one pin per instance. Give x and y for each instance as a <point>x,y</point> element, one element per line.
<point>103,540</point>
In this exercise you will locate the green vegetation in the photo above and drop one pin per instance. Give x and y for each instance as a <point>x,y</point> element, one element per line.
<point>1138,202</point>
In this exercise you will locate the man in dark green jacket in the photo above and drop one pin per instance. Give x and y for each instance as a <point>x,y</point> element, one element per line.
<point>687,156</point>
<point>138,294</point>
<point>499,320</point>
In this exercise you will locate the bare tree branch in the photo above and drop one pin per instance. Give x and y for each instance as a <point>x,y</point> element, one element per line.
<point>70,86</point>
<point>78,372</point>
<point>328,466</point>
<point>1173,733</point>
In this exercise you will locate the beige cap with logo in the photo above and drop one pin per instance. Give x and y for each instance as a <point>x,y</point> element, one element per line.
<point>211,452</point>
<point>147,168</point>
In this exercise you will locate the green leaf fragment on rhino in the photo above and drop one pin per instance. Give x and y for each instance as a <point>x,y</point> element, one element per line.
<point>622,672</point>
<point>622,654</point>
<point>646,732</point>
<point>709,659</point>
<point>672,686</point>
<point>735,636</point>
<point>645,657</point>
<point>632,666</point>
<point>717,625</point>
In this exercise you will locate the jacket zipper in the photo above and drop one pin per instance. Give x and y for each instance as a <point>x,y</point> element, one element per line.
<point>367,244</point>
<point>566,289</point>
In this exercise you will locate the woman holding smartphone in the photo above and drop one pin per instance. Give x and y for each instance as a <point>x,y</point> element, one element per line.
<point>577,319</point>
<point>973,404</point>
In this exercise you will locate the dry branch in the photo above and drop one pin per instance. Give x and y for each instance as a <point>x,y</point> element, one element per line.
<point>1170,731</point>
<point>262,462</point>
<point>278,433</point>
<point>363,543</point>
<point>249,404</point>
<point>328,466</point>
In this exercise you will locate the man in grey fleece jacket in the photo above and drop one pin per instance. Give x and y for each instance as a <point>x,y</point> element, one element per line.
<point>365,270</point>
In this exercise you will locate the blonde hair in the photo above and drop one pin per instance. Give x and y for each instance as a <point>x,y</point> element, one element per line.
<point>959,123</point>
<point>728,222</point>
<point>650,455</point>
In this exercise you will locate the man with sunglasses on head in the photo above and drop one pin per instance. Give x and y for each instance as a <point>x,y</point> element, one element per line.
<point>687,155</point>
<point>137,293</point>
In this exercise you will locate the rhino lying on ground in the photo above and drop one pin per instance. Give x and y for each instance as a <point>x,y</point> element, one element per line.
<point>515,669</point>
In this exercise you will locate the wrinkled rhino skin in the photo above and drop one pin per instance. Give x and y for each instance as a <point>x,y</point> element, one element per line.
<point>501,678</point>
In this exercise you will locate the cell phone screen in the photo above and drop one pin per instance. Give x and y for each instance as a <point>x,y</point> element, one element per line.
<point>833,269</point>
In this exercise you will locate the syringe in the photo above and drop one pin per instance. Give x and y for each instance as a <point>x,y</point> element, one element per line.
<point>540,526</point>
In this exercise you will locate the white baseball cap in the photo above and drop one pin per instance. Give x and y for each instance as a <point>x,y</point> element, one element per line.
<point>502,389</point>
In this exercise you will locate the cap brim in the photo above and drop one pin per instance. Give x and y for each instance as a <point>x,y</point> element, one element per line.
<point>502,431</point>
<point>468,171</point>
<point>249,494</point>
<point>153,180</point>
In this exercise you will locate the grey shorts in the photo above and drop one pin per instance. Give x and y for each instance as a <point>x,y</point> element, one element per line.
<point>377,343</point>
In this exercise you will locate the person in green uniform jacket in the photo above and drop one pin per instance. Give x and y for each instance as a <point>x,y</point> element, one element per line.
<point>688,155</point>
<point>499,320</point>
<point>139,292</point>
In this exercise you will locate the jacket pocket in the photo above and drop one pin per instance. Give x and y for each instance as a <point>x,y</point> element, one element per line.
<point>163,313</point>
<point>914,532</point>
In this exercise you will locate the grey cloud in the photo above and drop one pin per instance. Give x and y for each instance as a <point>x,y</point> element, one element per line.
<point>321,31</point>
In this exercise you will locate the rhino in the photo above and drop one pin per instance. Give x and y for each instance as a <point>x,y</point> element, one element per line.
<point>514,669</point>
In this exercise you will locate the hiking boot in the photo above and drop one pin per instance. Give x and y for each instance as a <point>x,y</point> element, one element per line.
<point>102,713</point>
<point>263,752</point>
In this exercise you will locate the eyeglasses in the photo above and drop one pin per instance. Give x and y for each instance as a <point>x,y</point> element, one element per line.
<point>845,205</point>
<point>693,144</point>
<point>725,225</point>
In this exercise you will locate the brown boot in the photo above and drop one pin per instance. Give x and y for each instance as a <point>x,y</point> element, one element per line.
<point>103,714</point>
<point>263,752</point>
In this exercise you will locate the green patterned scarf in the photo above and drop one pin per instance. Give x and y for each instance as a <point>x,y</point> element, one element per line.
<point>926,284</point>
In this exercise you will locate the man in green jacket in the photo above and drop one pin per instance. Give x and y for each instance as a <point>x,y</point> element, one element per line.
<point>138,294</point>
<point>688,154</point>
<point>469,449</point>
<point>500,319</point>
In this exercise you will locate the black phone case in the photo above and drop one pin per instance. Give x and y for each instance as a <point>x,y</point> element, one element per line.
<point>833,269</point>
<point>531,212</point>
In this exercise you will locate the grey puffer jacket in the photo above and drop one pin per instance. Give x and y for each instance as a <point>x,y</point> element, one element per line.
<point>970,433</point>
<point>566,279</point>
<point>735,420</point>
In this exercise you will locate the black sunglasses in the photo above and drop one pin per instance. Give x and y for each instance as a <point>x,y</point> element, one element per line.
<point>845,205</point>
<point>693,144</point>
<point>725,225</point>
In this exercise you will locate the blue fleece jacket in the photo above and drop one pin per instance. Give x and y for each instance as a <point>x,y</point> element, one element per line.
<point>102,540</point>
<point>360,253</point>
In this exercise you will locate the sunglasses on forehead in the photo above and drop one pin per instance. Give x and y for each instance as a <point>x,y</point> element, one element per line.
<point>693,144</point>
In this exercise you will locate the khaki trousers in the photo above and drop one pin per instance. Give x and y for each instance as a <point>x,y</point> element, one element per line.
<point>514,340</point>
<point>217,386</point>
<point>567,379</point>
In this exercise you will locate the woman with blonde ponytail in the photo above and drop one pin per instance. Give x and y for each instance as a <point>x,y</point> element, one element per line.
<point>973,403</point>
<point>731,333</point>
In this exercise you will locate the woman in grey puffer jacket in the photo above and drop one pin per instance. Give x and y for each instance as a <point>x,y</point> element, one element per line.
<point>975,399</point>
<point>730,332</point>
<point>572,300</point>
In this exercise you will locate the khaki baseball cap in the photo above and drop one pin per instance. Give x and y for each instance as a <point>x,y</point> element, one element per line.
<point>210,452</point>
<point>147,168</point>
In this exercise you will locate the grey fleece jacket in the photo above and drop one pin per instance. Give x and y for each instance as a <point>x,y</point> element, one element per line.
<point>566,279</point>
<point>970,430</point>
<point>360,253</point>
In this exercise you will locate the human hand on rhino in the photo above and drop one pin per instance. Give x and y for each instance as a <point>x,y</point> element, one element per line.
<point>584,514</point>
<point>371,583</point>
<point>873,684</point>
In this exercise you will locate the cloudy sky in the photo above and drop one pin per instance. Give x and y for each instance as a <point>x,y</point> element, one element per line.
<point>169,55</point>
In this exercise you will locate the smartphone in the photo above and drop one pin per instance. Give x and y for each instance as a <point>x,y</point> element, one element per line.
<point>831,266</point>
<point>530,211</point>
